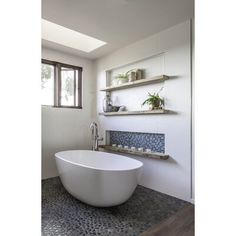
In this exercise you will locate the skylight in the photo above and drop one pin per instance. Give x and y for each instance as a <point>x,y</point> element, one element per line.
<point>69,38</point>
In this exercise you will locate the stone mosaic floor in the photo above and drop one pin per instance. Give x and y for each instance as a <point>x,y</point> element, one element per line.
<point>64,215</point>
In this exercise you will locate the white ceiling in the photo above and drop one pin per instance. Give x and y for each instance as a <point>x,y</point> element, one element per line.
<point>117,22</point>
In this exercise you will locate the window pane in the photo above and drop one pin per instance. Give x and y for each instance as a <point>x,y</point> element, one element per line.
<point>47,84</point>
<point>67,86</point>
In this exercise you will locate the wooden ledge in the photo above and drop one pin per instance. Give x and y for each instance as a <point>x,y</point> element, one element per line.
<point>155,155</point>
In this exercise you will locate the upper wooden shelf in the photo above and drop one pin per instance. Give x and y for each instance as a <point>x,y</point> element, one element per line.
<point>155,79</point>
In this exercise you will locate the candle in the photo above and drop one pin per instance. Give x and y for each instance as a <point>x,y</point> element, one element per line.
<point>133,148</point>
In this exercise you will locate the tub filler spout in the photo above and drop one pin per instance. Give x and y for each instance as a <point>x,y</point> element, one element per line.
<point>95,136</point>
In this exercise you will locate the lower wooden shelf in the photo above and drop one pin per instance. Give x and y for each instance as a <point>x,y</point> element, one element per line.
<point>123,113</point>
<point>156,155</point>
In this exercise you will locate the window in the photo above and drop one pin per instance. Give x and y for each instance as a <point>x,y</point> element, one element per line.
<point>61,84</point>
<point>47,84</point>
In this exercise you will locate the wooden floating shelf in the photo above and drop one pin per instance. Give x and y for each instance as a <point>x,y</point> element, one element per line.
<point>156,155</point>
<point>155,79</point>
<point>125,113</point>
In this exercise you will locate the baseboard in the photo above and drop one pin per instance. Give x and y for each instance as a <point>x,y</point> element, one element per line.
<point>192,200</point>
<point>49,177</point>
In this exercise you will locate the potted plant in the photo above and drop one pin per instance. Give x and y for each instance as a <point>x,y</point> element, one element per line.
<point>128,77</point>
<point>154,101</point>
<point>122,78</point>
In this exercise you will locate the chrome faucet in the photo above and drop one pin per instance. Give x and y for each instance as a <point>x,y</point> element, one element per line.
<point>95,137</point>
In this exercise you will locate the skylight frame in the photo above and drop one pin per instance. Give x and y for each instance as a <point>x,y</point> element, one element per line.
<point>70,38</point>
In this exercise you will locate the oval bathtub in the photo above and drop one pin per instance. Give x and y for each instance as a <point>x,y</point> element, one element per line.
<point>98,178</point>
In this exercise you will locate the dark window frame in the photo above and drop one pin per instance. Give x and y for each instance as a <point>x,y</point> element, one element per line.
<point>57,83</point>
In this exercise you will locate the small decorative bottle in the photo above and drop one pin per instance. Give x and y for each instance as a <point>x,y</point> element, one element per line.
<point>107,103</point>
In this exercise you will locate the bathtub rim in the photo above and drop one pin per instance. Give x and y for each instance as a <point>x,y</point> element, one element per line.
<point>94,168</point>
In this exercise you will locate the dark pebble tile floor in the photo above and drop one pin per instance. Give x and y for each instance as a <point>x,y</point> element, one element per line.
<point>64,215</point>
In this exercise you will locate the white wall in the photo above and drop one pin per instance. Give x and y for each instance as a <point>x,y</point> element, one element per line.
<point>173,176</point>
<point>66,128</point>
<point>193,110</point>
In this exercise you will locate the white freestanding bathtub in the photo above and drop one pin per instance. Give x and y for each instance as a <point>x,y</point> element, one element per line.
<point>98,178</point>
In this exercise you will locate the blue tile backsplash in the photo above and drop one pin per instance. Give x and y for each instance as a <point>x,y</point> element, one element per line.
<point>153,141</point>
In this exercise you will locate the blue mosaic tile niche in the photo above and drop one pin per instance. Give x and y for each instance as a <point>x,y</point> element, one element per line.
<point>153,141</point>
